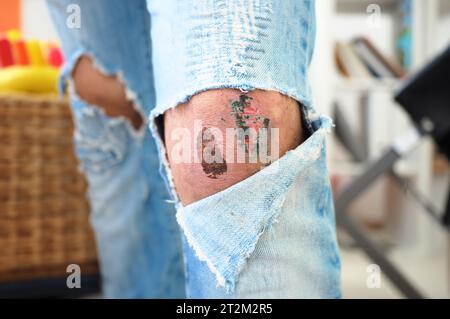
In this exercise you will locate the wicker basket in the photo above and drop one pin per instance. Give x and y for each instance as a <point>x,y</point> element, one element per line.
<point>43,209</point>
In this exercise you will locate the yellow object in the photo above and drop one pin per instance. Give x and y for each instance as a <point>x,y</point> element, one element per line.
<point>31,79</point>
<point>45,47</point>
<point>35,53</point>
<point>13,35</point>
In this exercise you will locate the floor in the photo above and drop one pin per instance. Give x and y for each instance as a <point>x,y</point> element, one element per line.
<point>429,275</point>
<point>420,248</point>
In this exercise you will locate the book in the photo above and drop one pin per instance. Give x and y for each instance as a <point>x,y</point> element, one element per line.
<point>377,63</point>
<point>348,62</point>
<point>404,41</point>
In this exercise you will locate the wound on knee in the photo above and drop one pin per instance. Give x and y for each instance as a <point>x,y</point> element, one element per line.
<point>213,162</point>
<point>104,91</point>
<point>220,137</point>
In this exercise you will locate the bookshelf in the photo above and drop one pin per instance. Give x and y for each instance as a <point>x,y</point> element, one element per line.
<point>342,20</point>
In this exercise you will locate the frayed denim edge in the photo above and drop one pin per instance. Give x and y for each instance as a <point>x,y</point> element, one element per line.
<point>228,281</point>
<point>185,97</point>
<point>66,77</point>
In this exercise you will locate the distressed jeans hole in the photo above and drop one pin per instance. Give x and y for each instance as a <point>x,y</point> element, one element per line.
<point>104,91</point>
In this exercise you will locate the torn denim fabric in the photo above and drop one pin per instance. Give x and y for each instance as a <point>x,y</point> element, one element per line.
<point>269,236</point>
<point>273,234</point>
<point>130,213</point>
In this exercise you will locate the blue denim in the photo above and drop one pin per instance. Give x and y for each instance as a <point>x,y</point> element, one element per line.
<point>276,231</point>
<point>271,235</point>
<point>137,236</point>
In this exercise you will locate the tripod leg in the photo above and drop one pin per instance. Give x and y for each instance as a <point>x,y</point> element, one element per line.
<point>375,170</point>
<point>446,219</point>
<point>361,183</point>
<point>378,257</point>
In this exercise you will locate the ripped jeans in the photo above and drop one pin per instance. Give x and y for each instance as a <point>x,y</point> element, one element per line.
<point>272,235</point>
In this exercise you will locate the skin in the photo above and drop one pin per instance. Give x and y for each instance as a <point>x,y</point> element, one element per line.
<point>218,108</point>
<point>104,91</point>
<point>225,108</point>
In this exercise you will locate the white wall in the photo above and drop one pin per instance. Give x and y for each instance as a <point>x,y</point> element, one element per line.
<point>443,30</point>
<point>320,78</point>
<point>36,21</point>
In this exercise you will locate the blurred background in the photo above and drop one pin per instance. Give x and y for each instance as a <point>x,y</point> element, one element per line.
<point>365,49</point>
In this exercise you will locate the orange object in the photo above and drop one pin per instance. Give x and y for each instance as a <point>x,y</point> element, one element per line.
<point>20,53</point>
<point>45,48</point>
<point>35,55</point>
<point>9,14</point>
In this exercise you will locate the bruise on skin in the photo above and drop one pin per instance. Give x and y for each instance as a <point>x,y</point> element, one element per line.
<point>217,168</point>
<point>247,116</point>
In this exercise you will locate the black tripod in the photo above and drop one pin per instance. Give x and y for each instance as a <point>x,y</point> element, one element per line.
<point>426,98</point>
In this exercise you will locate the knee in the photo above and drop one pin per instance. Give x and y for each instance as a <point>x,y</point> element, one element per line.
<point>104,91</point>
<point>227,136</point>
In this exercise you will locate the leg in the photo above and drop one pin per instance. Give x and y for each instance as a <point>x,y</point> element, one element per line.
<point>253,228</point>
<point>214,110</point>
<point>112,93</point>
<point>104,91</point>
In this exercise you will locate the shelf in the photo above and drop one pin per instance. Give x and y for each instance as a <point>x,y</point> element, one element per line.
<point>360,6</point>
<point>346,168</point>
<point>349,168</point>
<point>349,84</point>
